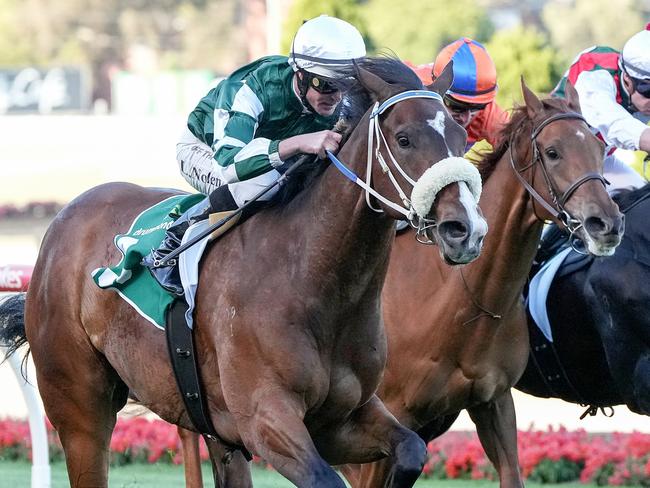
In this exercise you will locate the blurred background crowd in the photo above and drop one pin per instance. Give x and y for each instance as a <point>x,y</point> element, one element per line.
<point>157,56</point>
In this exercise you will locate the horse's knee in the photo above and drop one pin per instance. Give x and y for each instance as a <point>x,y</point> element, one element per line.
<point>409,458</point>
<point>323,476</point>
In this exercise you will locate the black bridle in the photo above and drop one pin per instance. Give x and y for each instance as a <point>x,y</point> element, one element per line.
<point>557,209</point>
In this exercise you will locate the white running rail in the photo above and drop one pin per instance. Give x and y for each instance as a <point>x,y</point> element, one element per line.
<point>41,473</point>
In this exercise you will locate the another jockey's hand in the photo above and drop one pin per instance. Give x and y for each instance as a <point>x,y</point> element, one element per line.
<point>312,143</point>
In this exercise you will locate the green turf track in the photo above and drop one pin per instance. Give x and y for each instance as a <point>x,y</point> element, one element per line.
<point>17,475</point>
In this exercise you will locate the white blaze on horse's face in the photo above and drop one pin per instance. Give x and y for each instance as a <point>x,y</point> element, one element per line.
<point>438,124</point>
<point>580,134</point>
<point>479,226</point>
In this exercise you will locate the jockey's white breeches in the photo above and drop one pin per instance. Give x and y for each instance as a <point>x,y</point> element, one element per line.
<point>620,175</point>
<point>197,164</point>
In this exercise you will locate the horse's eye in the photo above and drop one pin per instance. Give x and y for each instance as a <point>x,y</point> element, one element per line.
<point>552,153</point>
<point>403,141</point>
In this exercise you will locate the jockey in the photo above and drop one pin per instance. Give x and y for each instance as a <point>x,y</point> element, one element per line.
<point>614,91</point>
<point>253,121</point>
<point>470,100</point>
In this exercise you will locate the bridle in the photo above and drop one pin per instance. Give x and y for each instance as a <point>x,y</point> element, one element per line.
<point>558,207</point>
<point>376,139</point>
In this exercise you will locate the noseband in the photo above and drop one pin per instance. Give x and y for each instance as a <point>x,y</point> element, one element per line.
<point>558,209</point>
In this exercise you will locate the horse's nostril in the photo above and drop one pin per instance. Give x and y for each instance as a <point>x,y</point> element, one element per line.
<point>453,230</point>
<point>596,226</point>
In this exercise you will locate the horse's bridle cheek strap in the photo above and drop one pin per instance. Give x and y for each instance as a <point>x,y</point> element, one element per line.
<point>559,213</point>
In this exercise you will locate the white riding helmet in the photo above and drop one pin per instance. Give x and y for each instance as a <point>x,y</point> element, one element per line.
<point>324,43</point>
<point>636,55</point>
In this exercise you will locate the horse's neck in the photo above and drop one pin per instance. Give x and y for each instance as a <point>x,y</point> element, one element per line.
<point>498,276</point>
<point>345,240</point>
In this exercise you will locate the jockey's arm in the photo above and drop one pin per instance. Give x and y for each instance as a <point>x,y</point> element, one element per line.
<point>238,154</point>
<point>497,119</point>
<point>310,143</point>
<point>487,130</point>
<point>598,104</point>
<point>478,150</point>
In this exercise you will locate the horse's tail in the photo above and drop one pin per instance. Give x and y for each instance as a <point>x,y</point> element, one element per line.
<point>12,323</point>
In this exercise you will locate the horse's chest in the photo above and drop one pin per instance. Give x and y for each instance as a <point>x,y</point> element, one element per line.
<point>452,386</point>
<point>348,390</point>
<point>353,379</point>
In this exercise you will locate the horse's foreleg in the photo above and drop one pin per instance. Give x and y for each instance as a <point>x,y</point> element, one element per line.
<point>497,430</point>
<point>191,458</point>
<point>277,433</point>
<point>624,334</point>
<point>642,385</point>
<point>629,365</point>
<point>229,468</point>
<point>373,434</point>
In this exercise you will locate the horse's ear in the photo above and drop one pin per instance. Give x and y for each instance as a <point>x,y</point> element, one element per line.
<point>443,82</point>
<point>378,88</point>
<point>572,97</point>
<point>533,105</point>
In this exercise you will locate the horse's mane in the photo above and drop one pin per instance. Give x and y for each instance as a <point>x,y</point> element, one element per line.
<point>519,121</point>
<point>355,104</point>
<point>357,101</point>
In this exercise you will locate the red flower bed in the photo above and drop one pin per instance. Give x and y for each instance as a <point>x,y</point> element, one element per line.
<point>551,456</point>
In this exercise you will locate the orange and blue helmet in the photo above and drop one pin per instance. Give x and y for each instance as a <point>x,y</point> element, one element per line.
<point>475,76</point>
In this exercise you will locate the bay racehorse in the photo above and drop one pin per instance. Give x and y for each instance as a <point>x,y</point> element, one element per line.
<point>457,337</point>
<point>288,330</point>
<point>600,321</point>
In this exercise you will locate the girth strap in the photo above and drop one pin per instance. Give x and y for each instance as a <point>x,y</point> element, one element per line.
<point>182,354</point>
<point>548,365</point>
<point>551,370</point>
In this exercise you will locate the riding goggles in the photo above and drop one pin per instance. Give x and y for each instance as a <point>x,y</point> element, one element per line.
<point>461,107</point>
<point>323,85</point>
<point>642,87</point>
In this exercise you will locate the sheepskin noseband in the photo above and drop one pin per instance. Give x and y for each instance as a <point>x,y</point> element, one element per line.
<point>444,172</point>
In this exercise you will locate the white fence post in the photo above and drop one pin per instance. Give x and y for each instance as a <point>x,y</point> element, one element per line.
<point>41,475</point>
